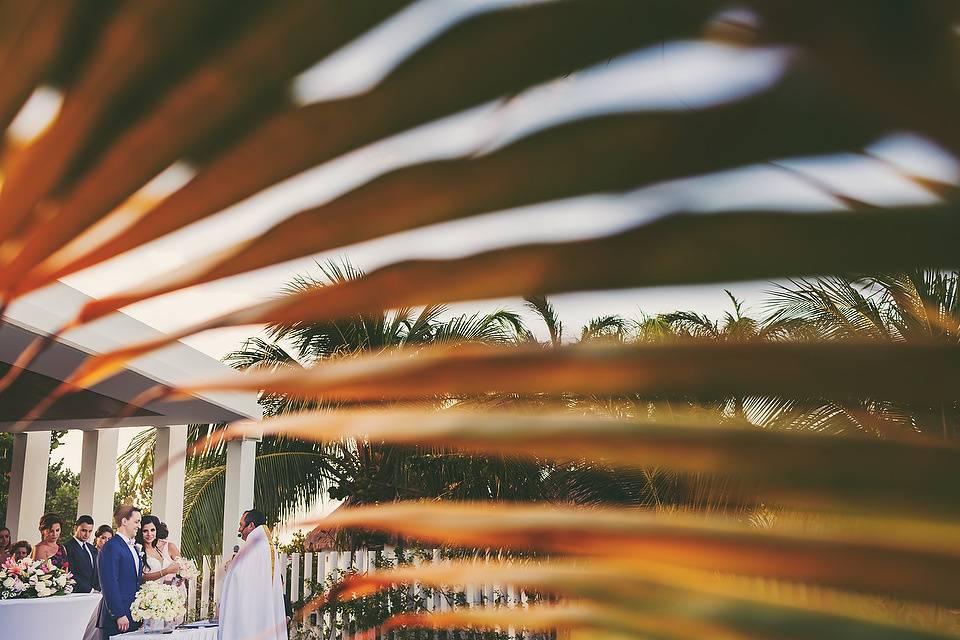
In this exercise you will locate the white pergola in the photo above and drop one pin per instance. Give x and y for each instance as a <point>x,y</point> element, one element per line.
<point>93,411</point>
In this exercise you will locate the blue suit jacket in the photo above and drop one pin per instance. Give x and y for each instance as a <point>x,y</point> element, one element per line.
<point>119,581</point>
<point>83,565</point>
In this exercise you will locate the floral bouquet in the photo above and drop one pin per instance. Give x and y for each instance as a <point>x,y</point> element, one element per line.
<point>30,578</point>
<point>188,569</point>
<point>157,601</point>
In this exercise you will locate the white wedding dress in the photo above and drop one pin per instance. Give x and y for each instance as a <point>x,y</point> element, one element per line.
<point>161,563</point>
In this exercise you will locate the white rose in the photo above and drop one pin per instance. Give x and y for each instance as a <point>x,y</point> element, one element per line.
<point>9,582</point>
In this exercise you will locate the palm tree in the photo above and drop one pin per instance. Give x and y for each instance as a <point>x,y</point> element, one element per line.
<point>590,483</point>
<point>912,306</point>
<point>207,83</point>
<point>292,475</point>
<point>735,326</point>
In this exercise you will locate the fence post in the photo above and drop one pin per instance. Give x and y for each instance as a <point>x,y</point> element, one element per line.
<point>284,566</point>
<point>204,589</point>
<point>307,578</point>
<point>218,574</point>
<point>488,589</point>
<point>192,586</point>
<point>294,577</point>
<point>322,581</point>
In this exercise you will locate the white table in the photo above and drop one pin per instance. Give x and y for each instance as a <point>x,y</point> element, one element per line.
<point>60,617</point>
<point>210,633</point>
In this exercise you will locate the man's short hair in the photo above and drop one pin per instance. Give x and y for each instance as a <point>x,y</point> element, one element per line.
<point>254,517</point>
<point>124,512</point>
<point>84,520</point>
<point>7,529</point>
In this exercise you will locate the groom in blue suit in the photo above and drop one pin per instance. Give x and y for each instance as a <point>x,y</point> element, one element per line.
<point>120,567</point>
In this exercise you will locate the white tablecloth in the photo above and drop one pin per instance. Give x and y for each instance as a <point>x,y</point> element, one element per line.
<point>56,617</point>
<point>209,633</point>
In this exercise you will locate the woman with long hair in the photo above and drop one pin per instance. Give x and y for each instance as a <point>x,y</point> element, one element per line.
<point>49,546</point>
<point>158,555</point>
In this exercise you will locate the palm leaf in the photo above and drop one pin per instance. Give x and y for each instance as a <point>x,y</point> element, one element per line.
<point>557,39</point>
<point>243,81</point>
<point>34,34</point>
<point>821,472</point>
<point>840,557</point>
<point>128,73</point>
<point>115,70</point>
<point>455,190</point>
<point>639,600</point>
<point>845,243</point>
<point>824,370</point>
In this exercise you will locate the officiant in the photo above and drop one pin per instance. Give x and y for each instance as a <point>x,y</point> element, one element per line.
<point>251,603</point>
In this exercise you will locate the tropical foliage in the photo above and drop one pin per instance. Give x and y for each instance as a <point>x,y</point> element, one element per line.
<point>294,475</point>
<point>921,306</point>
<point>63,485</point>
<point>152,83</point>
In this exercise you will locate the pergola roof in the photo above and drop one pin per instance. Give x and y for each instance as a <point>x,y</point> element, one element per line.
<point>45,311</point>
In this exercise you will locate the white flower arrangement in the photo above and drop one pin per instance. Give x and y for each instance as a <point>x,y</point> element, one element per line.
<point>30,578</point>
<point>188,569</point>
<point>157,601</point>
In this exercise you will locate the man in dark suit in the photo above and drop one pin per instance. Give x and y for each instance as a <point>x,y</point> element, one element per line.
<point>82,556</point>
<point>120,567</point>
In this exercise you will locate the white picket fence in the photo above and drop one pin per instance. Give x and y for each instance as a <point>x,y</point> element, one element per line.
<point>302,569</point>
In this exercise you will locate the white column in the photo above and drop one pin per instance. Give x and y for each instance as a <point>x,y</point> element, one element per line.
<point>238,489</point>
<point>169,475</point>
<point>98,475</point>
<point>28,484</point>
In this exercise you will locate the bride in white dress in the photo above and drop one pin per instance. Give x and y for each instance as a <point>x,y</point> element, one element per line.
<point>160,555</point>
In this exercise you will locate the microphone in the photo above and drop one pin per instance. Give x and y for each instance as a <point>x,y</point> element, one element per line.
<point>236,549</point>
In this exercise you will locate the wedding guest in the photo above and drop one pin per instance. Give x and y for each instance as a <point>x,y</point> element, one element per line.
<point>158,555</point>
<point>49,545</point>
<point>104,533</point>
<point>120,569</point>
<point>5,550</point>
<point>21,550</point>
<point>82,556</point>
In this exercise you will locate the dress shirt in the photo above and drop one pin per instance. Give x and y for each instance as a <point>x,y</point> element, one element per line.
<point>83,545</point>
<point>133,551</point>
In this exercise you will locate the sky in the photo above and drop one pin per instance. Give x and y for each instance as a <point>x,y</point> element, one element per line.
<point>680,75</point>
